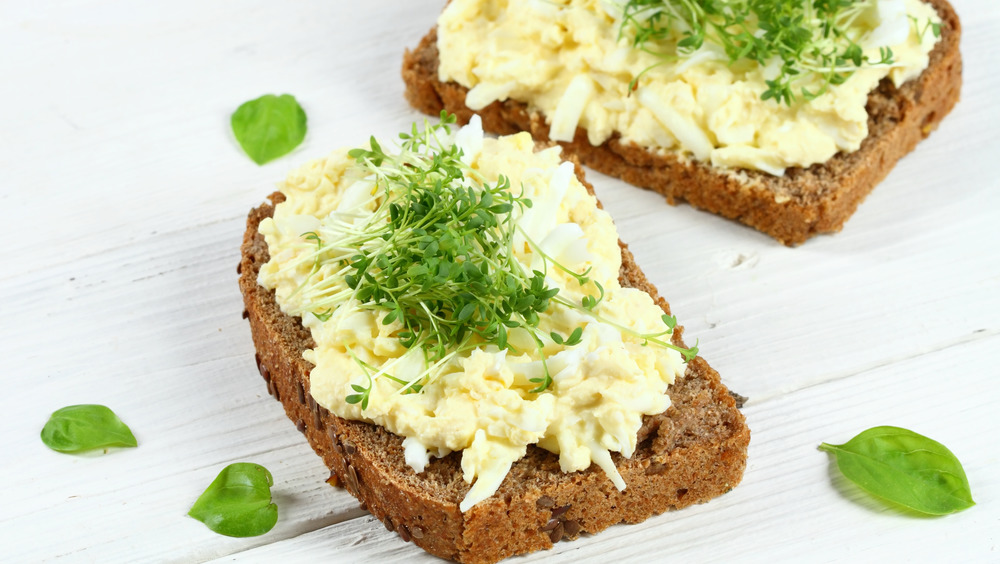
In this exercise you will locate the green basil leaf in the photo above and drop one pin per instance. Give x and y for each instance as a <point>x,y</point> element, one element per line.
<point>906,468</point>
<point>269,127</point>
<point>79,428</point>
<point>238,502</point>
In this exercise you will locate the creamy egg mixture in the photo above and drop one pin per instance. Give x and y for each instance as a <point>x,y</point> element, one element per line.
<point>480,402</point>
<point>568,60</point>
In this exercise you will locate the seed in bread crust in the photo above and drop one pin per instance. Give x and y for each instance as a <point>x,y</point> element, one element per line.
<point>388,524</point>
<point>352,480</point>
<point>261,368</point>
<point>272,387</point>
<point>417,532</point>
<point>556,534</point>
<point>560,511</point>
<point>300,392</point>
<point>301,426</point>
<point>334,441</point>
<point>349,447</point>
<point>544,502</point>
<point>655,468</point>
<point>404,533</point>
<point>552,524</point>
<point>572,528</point>
<point>246,314</point>
<point>740,400</point>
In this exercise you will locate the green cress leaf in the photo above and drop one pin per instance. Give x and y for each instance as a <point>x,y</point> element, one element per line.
<point>269,127</point>
<point>238,502</point>
<point>906,468</point>
<point>79,428</point>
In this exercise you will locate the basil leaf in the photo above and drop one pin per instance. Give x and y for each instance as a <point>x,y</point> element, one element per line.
<point>79,428</point>
<point>269,127</point>
<point>906,468</point>
<point>238,502</point>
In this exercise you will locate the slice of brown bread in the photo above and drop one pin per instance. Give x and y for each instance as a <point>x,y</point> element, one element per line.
<point>694,451</point>
<point>792,208</point>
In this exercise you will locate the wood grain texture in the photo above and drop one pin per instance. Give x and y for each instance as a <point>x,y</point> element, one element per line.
<point>124,198</point>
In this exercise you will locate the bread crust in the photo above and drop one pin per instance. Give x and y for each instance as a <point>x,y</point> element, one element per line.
<point>792,208</point>
<point>694,451</point>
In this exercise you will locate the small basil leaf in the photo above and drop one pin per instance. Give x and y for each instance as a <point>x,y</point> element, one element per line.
<point>906,468</point>
<point>79,428</point>
<point>238,502</point>
<point>269,127</point>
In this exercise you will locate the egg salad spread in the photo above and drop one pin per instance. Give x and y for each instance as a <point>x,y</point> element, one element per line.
<point>575,375</point>
<point>575,62</point>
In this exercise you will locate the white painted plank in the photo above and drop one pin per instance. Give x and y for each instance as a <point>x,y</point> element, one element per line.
<point>128,105</point>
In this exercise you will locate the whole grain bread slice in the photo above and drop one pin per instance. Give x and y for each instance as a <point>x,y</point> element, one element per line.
<point>694,451</point>
<point>792,208</point>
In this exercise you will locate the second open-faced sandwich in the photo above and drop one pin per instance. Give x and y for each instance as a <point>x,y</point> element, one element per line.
<point>782,115</point>
<point>458,332</point>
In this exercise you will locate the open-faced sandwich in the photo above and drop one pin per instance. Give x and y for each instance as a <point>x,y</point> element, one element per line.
<point>458,332</point>
<point>781,114</point>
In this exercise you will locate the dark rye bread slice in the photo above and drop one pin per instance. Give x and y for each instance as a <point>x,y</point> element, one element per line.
<point>792,208</point>
<point>694,451</point>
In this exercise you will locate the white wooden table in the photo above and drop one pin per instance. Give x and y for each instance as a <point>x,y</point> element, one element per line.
<point>123,198</point>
